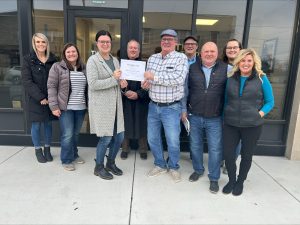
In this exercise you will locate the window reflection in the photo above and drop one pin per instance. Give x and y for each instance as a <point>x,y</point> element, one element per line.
<point>101,3</point>
<point>162,14</point>
<point>270,35</point>
<point>48,19</point>
<point>219,21</point>
<point>10,74</point>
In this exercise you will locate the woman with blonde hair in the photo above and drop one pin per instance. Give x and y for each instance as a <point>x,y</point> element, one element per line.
<point>35,71</point>
<point>248,98</point>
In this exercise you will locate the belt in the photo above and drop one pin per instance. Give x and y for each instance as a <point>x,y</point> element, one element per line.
<point>165,103</point>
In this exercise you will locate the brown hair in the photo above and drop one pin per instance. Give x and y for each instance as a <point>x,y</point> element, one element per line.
<point>78,62</point>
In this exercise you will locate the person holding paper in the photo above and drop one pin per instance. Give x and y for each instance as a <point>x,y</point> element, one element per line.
<point>135,108</point>
<point>105,105</point>
<point>165,77</point>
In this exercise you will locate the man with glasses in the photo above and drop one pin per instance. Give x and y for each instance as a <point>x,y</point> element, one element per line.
<point>165,78</point>
<point>190,46</point>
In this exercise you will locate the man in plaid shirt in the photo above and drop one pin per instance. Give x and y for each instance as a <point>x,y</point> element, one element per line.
<point>165,77</point>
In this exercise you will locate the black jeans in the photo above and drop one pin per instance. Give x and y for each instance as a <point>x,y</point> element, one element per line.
<point>231,137</point>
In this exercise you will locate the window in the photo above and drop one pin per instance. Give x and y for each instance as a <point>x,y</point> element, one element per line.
<point>10,72</point>
<point>101,3</point>
<point>48,19</point>
<point>163,14</point>
<point>219,21</point>
<point>270,35</point>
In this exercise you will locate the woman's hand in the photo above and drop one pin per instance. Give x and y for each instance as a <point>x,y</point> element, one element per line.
<point>123,83</point>
<point>44,102</point>
<point>261,113</point>
<point>117,74</point>
<point>56,112</point>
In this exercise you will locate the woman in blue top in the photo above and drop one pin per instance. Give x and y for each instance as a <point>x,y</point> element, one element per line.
<point>248,98</point>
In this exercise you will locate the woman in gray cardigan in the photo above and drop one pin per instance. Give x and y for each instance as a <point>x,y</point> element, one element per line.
<point>105,105</point>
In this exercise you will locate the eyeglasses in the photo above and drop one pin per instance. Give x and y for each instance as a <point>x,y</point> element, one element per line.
<point>167,39</point>
<point>104,42</point>
<point>192,44</point>
<point>233,48</point>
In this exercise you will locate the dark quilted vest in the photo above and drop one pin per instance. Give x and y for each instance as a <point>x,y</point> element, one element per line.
<point>242,111</point>
<point>202,101</point>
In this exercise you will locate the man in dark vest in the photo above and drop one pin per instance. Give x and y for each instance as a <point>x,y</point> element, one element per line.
<point>206,86</point>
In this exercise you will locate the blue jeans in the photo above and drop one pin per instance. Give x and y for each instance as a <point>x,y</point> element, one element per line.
<point>36,134</point>
<point>112,142</point>
<point>169,118</point>
<point>70,124</point>
<point>213,131</point>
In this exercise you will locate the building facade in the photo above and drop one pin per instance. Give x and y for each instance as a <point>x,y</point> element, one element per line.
<point>271,27</point>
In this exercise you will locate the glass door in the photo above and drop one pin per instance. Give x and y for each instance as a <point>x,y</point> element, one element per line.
<point>82,28</point>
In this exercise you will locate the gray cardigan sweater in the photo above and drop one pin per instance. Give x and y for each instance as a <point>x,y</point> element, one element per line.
<point>105,101</point>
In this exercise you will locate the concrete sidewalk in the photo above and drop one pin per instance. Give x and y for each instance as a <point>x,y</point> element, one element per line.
<point>33,193</point>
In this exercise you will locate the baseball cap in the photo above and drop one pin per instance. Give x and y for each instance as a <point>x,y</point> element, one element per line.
<point>169,32</point>
<point>190,37</point>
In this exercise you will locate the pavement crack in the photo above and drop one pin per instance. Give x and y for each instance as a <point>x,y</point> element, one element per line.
<point>132,186</point>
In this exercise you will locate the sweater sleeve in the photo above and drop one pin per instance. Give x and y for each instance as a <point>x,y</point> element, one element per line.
<point>268,95</point>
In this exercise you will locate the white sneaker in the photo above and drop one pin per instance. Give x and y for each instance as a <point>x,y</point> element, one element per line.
<point>79,160</point>
<point>175,175</point>
<point>155,171</point>
<point>69,166</point>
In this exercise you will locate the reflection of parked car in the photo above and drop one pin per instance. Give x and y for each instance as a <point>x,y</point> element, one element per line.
<point>13,75</point>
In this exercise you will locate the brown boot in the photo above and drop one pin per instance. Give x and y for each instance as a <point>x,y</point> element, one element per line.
<point>125,148</point>
<point>143,148</point>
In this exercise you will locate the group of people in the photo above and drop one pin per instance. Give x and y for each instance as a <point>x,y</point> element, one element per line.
<point>223,100</point>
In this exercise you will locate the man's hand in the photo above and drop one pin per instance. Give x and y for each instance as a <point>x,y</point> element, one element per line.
<point>131,95</point>
<point>149,75</point>
<point>145,84</point>
<point>183,116</point>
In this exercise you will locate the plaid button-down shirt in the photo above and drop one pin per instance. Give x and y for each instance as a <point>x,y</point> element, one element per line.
<point>169,76</point>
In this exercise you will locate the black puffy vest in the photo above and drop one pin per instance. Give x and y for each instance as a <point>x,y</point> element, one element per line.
<point>242,111</point>
<point>202,101</point>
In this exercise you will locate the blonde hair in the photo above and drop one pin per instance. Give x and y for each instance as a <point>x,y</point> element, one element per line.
<point>242,54</point>
<point>44,38</point>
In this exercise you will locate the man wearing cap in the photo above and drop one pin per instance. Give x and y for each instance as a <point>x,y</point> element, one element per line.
<point>165,76</point>
<point>206,87</point>
<point>190,46</point>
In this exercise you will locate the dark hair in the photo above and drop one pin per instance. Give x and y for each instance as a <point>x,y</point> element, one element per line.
<point>102,33</point>
<point>224,57</point>
<point>78,62</point>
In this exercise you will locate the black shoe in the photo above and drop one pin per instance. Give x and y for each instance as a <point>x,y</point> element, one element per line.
<point>39,155</point>
<point>227,189</point>
<point>143,155</point>
<point>100,171</point>
<point>238,188</point>
<point>47,154</point>
<point>214,187</point>
<point>111,166</point>
<point>195,176</point>
<point>124,155</point>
